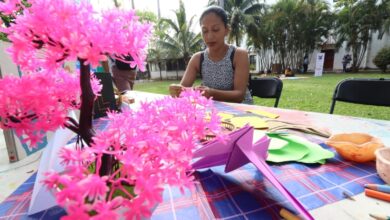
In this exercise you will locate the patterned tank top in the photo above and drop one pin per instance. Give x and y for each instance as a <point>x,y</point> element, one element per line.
<point>220,75</point>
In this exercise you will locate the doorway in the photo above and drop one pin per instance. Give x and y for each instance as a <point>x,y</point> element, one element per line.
<point>329,59</point>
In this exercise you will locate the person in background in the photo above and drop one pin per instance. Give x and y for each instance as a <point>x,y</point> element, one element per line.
<point>123,75</point>
<point>346,60</point>
<point>224,68</point>
<point>288,72</point>
<point>305,63</point>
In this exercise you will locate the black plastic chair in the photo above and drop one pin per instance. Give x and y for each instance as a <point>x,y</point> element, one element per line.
<point>269,87</point>
<point>106,101</point>
<point>362,91</point>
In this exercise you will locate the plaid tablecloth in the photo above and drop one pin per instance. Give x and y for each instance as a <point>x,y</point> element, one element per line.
<point>240,194</point>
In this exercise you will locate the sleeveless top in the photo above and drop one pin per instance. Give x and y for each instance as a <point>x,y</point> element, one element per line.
<point>220,75</point>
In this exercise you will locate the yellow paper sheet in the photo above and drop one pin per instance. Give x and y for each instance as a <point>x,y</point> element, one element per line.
<point>254,121</point>
<point>225,116</point>
<point>264,113</point>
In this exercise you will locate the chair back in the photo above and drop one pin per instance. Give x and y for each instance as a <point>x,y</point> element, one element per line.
<point>268,87</point>
<point>362,91</point>
<point>106,101</point>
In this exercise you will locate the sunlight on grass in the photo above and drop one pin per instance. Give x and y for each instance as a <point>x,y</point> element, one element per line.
<point>309,94</point>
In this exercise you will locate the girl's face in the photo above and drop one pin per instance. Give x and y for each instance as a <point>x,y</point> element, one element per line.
<point>213,30</point>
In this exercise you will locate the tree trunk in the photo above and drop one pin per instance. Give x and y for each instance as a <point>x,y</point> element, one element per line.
<point>159,67</point>
<point>177,69</point>
<point>87,99</point>
<point>86,130</point>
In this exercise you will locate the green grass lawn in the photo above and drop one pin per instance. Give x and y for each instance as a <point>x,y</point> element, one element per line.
<point>309,94</point>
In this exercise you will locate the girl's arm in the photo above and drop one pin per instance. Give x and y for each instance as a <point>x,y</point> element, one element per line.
<point>189,76</point>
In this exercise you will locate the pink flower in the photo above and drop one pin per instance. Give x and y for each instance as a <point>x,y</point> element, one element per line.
<point>108,210</point>
<point>69,155</point>
<point>95,186</point>
<point>137,209</point>
<point>76,212</point>
<point>9,7</point>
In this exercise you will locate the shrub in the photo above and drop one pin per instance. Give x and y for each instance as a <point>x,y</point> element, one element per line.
<point>382,59</point>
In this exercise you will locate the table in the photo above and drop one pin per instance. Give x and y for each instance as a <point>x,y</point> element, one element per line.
<point>244,194</point>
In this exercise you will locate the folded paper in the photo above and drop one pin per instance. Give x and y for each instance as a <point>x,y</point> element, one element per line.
<point>238,151</point>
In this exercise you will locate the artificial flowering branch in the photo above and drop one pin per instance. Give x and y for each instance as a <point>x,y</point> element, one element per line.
<point>44,37</point>
<point>127,164</point>
<point>153,147</point>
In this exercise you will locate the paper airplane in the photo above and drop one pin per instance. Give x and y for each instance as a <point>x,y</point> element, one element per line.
<point>238,151</point>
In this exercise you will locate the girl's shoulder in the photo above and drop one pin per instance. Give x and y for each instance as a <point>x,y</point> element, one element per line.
<point>240,52</point>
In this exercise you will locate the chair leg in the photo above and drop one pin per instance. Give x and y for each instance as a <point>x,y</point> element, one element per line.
<point>276,102</point>
<point>332,106</point>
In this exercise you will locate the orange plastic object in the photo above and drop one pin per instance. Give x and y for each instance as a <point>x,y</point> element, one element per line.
<point>358,147</point>
<point>383,163</point>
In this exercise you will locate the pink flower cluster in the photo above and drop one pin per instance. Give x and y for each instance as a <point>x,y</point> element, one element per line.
<point>153,145</point>
<point>39,102</point>
<point>46,34</point>
<point>10,7</point>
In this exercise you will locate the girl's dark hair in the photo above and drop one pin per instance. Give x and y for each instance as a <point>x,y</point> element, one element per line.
<point>220,12</point>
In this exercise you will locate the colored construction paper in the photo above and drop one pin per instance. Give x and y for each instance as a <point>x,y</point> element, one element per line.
<point>239,150</point>
<point>290,152</point>
<point>225,116</point>
<point>276,143</point>
<point>253,121</point>
<point>258,134</point>
<point>264,113</point>
<point>293,149</point>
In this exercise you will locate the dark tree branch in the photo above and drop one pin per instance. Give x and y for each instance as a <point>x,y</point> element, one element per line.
<point>72,128</point>
<point>73,121</point>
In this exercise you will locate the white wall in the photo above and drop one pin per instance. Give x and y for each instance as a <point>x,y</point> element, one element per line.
<point>166,74</point>
<point>6,65</point>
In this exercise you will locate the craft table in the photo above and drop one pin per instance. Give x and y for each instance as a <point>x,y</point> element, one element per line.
<point>245,194</point>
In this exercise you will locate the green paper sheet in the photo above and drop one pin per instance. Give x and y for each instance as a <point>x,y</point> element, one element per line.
<point>293,149</point>
<point>287,153</point>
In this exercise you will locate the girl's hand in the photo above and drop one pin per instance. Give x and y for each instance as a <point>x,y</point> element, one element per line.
<point>175,90</point>
<point>205,91</point>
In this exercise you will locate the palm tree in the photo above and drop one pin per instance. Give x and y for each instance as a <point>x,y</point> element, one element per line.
<point>181,43</point>
<point>384,8</point>
<point>241,16</point>
<point>355,23</point>
<point>289,29</point>
<point>116,3</point>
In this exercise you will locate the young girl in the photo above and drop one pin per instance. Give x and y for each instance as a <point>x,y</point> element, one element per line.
<point>224,68</point>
